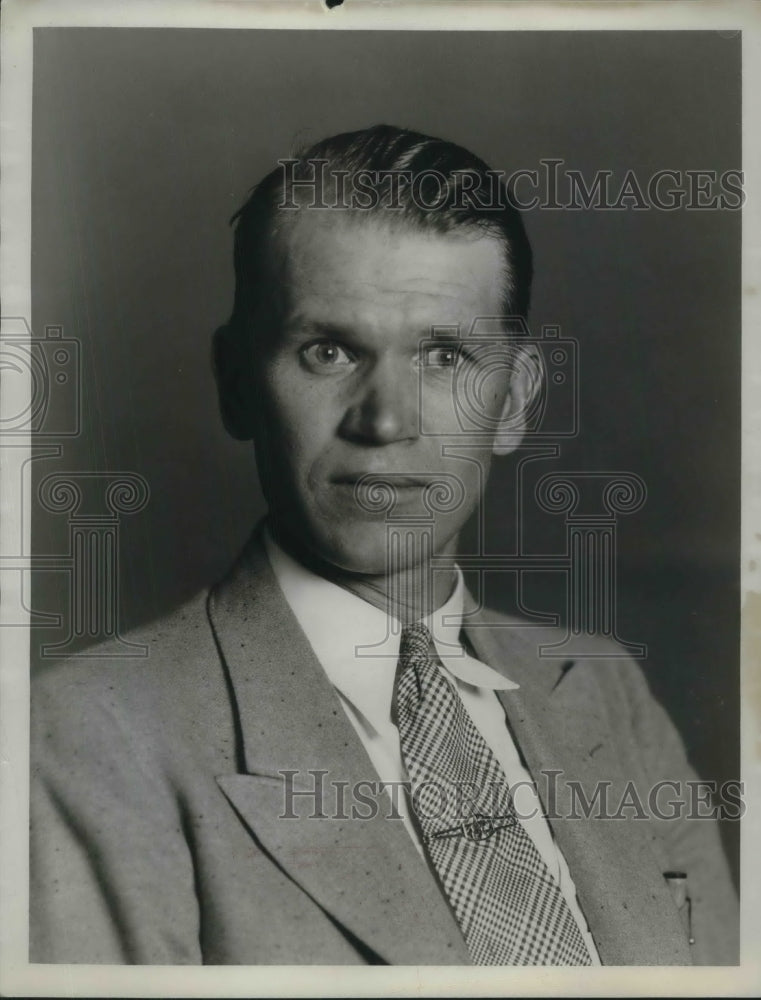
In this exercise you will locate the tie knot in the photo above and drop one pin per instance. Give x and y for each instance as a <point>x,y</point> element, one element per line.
<point>415,644</point>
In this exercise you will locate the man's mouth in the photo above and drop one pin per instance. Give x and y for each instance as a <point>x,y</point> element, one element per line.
<point>376,493</point>
<point>397,480</point>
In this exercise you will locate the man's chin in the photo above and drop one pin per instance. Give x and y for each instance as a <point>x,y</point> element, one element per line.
<point>359,548</point>
<point>364,545</point>
<point>359,551</point>
<point>384,549</point>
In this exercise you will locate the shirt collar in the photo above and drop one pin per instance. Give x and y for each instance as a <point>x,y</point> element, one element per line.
<point>357,644</point>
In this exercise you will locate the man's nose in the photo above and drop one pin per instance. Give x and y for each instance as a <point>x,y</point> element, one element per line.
<point>385,408</point>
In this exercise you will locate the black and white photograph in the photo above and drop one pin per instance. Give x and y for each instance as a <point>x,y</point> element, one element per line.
<point>377,477</point>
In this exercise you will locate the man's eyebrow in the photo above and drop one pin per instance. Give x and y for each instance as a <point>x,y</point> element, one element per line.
<point>299,325</point>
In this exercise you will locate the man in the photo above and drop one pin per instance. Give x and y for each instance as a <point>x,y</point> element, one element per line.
<point>336,756</point>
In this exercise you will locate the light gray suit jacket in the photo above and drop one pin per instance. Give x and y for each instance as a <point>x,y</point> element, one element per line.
<point>156,797</point>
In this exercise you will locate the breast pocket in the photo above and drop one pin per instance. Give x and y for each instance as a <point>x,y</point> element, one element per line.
<point>678,883</point>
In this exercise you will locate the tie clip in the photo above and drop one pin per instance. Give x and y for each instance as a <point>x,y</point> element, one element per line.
<point>476,828</point>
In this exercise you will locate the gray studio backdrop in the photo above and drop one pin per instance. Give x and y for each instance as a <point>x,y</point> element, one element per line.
<point>147,141</point>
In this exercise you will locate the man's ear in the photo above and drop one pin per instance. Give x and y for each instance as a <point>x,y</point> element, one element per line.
<point>232,370</point>
<point>524,394</point>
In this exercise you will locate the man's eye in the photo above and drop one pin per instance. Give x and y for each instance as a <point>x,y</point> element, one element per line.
<point>325,355</point>
<point>442,357</point>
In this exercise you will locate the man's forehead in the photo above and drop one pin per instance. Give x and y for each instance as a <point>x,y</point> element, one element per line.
<point>331,258</point>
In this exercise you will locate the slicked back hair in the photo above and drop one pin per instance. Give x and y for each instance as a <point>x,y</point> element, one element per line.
<point>439,187</point>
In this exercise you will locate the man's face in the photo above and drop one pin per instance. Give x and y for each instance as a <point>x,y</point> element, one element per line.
<point>341,381</point>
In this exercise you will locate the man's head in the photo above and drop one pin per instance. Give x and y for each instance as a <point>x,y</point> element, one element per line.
<point>348,260</point>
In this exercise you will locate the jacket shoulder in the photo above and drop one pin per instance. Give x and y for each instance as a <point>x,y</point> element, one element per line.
<point>149,650</point>
<point>546,650</point>
<point>161,681</point>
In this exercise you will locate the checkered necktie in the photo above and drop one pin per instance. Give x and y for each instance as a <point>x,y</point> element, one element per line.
<point>508,905</point>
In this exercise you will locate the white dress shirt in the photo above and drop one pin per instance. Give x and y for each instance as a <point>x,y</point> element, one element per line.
<point>357,646</point>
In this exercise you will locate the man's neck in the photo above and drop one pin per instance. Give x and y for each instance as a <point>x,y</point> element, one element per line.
<point>409,594</point>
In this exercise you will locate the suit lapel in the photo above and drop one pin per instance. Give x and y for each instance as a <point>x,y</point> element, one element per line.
<point>364,872</point>
<point>620,888</point>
